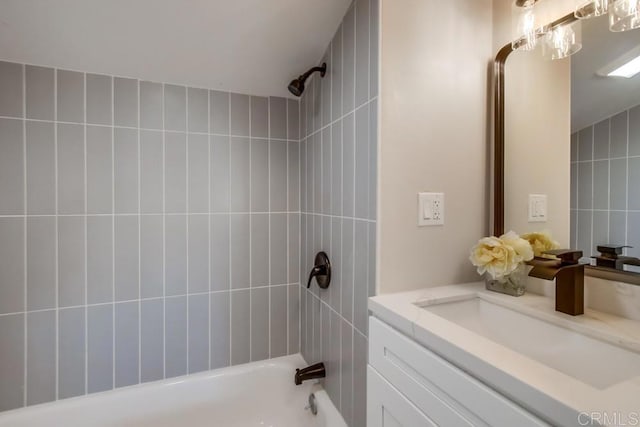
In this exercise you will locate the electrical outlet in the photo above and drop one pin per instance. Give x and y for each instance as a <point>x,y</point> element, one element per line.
<point>430,209</point>
<point>537,208</point>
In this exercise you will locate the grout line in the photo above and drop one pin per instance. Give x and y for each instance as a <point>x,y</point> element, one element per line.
<point>209,218</point>
<point>250,240</point>
<point>269,272</point>
<point>139,234</point>
<point>113,240</point>
<point>186,218</point>
<point>25,206</point>
<point>164,245</point>
<point>230,237</point>
<point>86,242</point>
<point>57,238</point>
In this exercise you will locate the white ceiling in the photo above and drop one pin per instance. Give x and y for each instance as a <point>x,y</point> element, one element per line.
<point>248,46</point>
<point>594,98</point>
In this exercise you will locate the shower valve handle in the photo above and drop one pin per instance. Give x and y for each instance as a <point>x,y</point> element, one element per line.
<point>321,271</point>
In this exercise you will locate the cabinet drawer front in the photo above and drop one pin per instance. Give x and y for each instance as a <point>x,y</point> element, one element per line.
<point>387,407</point>
<point>423,376</point>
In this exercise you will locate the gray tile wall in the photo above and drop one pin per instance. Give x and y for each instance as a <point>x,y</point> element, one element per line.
<point>338,153</point>
<point>147,230</point>
<point>605,172</point>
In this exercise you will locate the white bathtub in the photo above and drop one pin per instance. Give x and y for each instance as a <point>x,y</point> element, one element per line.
<point>255,394</point>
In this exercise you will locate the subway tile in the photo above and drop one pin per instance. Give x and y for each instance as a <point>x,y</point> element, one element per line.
<point>359,380</point>
<point>362,163</point>
<point>294,318</point>
<point>601,140</point>
<point>336,169</point>
<point>259,175</point>
<point>374,31</point>
<point>151,256</point>
<point>634,131</point>
<point>373,159</point>
<point>100,348</point>
<point>278,320</point>
<point>41,357</point>
<point>574,147</point>
<point>219,112</point>
<point>361,286</point>
<point>573,214</point>
<point>302,167</point>
<point>127,341</point>
<point>175,167</point>
<point>11,85</point>
<point>11,165</point>
<point>585,144</point>
<point>335,255</point>
<point>617,228</point>
<point>294,247</point>
<point>277,171</point>
<point>239,112</point>
<point>585,185</point>
<point>126,258</point>
<point>198,253</point>
<point>302,337</point>
<point>293,171</point>
<point>175,108</point>
<point>585,219</point>
<point>71,352</point>
<point>278,249</point>
<point>316,83</point>
<point>70,96</point>
<point>198,154</point>
<point>125,102</point>
<point>325,333</point>
<point>259,324</point>
<point>151,172</point>
<point>332,362</point>
<point>219,252</point>
<point>240,327</point>
<point>633,234</point>
<point>198,110</point>
<point>240,158</point>
<point>371,247</point>
<point>634,179</point>
<point>303,116</point>
<point>99,169</point>
<point>219,173</point>
<point>175,254</point>
<point>326,170</point>
<point>40,139</point>
<point>317,173</point>
<point>220,329</point>
<point>71,160</point>
<point>125,170</point>
<point>574,185</point>
<point>12,265</point>
<point>347,371</point>
<point>348,166</point>
<point>40,92</point>
<point>618,184</point>
<point>151,100</point>
<point>41,263</point>
<point>240,250</point>
<point>277,118</point>
<point>362,51</point>
<point>293,119</point>
<point>198,333</point>
<point>347,271</point>
<point>619,129</point>
<point>335,74</point>
<point>12,338</point>
<point>601,184</point>
<point>259,117</point>
<point>99,99</point>
<point>325,88</point>
<point>348,60</point>
<point>99,260</point>
<point>316,306</point>
<point>175,336</point>
<point>71,261</point>
<point>151,340</point>
<point>600,230</point>
<point>259,249</point>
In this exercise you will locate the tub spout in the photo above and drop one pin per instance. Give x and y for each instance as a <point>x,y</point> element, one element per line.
<point>309,373</point>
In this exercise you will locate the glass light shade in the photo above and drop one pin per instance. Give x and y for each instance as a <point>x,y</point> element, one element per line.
<point>591,8</point>
<point>624,15</point>
<point>525,35</point>
<point>562,41</point>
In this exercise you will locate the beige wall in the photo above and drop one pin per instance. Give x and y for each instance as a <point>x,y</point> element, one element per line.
<point>434,78</point>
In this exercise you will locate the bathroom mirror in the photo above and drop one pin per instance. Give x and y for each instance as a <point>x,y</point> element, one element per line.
<point>568,137</point>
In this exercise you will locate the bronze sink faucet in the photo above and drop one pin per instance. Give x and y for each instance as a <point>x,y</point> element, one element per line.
<point>569,275</point>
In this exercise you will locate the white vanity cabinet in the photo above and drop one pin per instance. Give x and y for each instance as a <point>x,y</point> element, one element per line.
<point>408,385</point>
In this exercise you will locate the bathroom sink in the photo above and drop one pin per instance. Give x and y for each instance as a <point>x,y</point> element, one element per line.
<point>570,352</point>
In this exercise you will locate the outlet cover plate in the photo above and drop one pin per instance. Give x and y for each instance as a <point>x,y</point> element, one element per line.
<point>430,209</point>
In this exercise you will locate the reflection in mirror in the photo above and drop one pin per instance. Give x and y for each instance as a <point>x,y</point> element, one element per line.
<point>605,148</point>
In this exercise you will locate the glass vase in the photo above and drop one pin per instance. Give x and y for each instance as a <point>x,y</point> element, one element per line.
<point>513,284</point>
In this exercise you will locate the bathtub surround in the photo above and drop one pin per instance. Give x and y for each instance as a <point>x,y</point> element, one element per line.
<point>605,170</point>
<point>338,152</point>
<point>147,230</point>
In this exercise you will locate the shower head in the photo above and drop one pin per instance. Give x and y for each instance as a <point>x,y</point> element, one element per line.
<point>296,86</point>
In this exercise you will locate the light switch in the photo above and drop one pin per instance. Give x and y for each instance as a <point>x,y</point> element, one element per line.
<point>537,208</point>
<point>430,209</point>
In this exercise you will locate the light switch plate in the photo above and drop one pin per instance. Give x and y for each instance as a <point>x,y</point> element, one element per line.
<point>430,209</point>
<point>537,208</point>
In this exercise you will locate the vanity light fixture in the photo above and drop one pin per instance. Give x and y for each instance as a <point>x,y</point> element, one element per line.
<point>624,15</point>
<point>525,28</point>
<point>562,41</point>
<point>591,8</point>
<point>627,66</point>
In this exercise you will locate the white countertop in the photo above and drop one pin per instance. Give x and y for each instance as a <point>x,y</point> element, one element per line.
<point>547,392</point>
